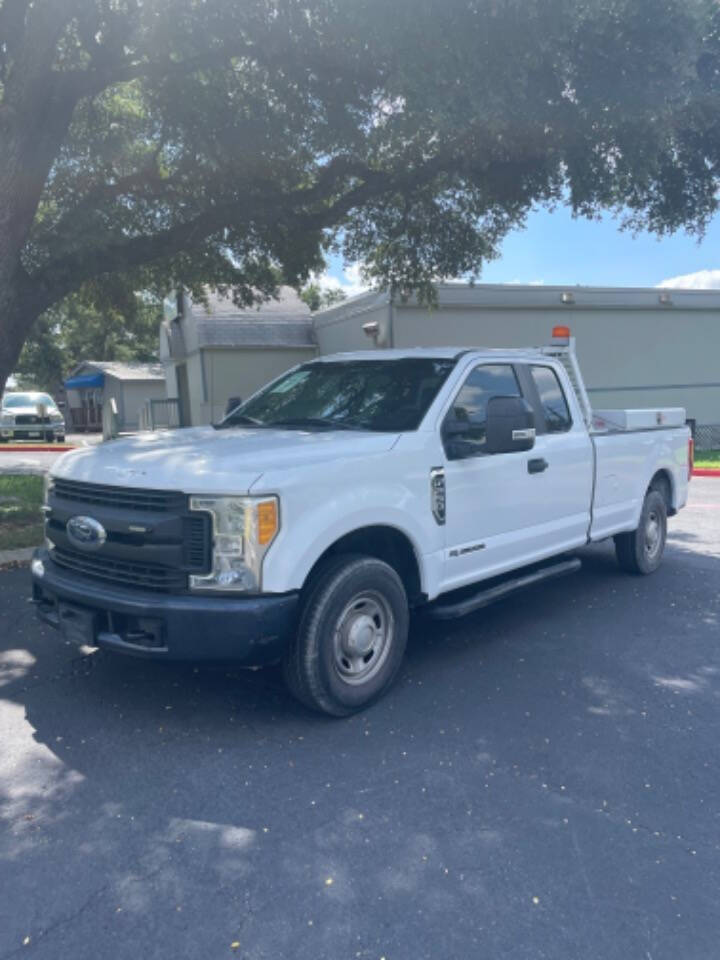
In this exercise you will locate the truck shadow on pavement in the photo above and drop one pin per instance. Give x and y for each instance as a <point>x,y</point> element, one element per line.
<point>56,683</point>
<point>145,784</point>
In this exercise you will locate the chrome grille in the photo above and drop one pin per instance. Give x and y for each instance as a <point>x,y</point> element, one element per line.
<point>29,419</point>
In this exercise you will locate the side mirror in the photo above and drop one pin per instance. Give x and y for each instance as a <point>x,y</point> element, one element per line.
<point>510,425</point>
<point>454,434</point>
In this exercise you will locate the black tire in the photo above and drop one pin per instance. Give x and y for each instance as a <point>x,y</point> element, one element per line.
<point>352,601</point>
<point>641,551</point>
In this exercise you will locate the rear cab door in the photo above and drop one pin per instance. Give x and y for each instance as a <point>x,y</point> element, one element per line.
<point>507,510</point>
<point>563,442</point>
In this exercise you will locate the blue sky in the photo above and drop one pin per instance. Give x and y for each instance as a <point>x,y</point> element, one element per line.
<point>554,248</point>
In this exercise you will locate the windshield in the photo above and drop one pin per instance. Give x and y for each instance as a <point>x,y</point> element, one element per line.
<point>388,395</point>
<point>27,400</point>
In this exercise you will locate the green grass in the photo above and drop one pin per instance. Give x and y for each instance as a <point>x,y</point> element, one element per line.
<point>20,518</point>
<point>707,459</point>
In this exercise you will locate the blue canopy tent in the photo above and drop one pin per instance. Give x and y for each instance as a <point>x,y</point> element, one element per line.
<point>87,414</point>
<point>85,381</point>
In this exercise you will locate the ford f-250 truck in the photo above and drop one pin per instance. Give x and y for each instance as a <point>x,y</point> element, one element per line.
<point>306,525</point>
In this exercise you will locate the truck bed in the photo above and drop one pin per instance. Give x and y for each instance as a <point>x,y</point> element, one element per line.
<point>623,461</point>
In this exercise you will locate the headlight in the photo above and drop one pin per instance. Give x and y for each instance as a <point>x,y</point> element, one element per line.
<point>242,530</point>
<point>7,419</point>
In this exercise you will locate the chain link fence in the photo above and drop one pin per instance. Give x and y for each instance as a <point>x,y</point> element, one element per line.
<point>707,436</point>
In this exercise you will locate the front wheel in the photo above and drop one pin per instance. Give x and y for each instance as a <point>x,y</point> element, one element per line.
<point>641,551</point>
<point>351,637</point>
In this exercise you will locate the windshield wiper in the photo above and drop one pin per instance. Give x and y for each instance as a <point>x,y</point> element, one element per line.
<point>324,423</point>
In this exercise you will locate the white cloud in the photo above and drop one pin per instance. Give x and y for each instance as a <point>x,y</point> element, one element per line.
<point>700,280</point>
<point>351,283</point>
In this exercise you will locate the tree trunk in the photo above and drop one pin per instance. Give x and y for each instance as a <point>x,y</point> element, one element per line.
<point>26,157</point>
<point>36,107</point>
<point>19,195</point>
<point>24,164</point>
<point>19,309</point>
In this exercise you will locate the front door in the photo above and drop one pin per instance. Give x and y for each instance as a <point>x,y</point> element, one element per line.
<point>502,511</point>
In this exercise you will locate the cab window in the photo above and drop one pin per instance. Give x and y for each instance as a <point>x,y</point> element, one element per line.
<point>552,400</point>
<point>465,425</point>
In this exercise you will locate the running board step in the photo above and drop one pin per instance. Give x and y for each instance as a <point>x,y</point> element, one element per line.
<point>449,611</point>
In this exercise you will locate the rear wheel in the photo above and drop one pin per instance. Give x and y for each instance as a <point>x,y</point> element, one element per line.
<point>352,635</point>
<point>641,551</point>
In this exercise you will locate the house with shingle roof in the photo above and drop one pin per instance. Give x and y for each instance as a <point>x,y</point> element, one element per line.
<point>212,353</point>
<point>94,382</point>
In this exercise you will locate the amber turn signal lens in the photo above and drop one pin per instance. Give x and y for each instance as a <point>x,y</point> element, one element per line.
<point>267,521</point>
<point>561,333</point>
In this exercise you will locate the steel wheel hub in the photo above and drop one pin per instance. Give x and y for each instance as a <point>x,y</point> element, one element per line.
<point>360,638</point>
<point>363,637</point>
<point>653,533</point>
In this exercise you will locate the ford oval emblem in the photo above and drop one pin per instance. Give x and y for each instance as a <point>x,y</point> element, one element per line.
<point>86,533</point>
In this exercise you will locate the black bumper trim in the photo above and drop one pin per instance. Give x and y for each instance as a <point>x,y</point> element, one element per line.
<point>251,630</point>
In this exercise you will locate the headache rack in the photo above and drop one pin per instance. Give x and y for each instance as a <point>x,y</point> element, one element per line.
<point>562,348</point>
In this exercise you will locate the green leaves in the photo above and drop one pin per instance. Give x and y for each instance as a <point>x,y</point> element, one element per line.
<point>231,143</point>
<point>108,323</point>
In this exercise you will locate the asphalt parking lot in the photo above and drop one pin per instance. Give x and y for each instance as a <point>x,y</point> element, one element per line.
<point>543,782</point>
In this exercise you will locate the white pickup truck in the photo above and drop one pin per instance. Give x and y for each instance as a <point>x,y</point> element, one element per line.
<point>305,526</point>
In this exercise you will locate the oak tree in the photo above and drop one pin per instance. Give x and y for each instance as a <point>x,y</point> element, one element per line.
<point>232,142</point>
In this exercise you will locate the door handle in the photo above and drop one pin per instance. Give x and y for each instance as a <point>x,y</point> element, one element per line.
<point>538,465</point>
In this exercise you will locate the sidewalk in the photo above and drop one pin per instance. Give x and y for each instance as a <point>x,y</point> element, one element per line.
<point>15,558</point>
<point>30,458</point>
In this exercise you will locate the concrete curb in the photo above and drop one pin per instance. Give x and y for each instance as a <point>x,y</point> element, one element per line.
<point>9,559</point>
<point>705,472</point>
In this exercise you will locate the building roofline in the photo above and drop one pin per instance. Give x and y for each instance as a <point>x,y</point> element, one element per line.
<point>99,365</point>
<point>498,296</point>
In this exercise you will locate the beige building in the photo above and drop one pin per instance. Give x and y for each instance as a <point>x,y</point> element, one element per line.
<point>213,353</point>
<point>637,347</point>
<point>130,385</point>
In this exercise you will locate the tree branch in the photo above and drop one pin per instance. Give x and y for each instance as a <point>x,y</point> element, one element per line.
<point>89,83</point>
<point>12,29</point>
<point>66,273</point>
<point>134,184</point>
<point>291,210</point>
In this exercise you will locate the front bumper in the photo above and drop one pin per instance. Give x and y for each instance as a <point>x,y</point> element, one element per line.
<point>251,630</point>
<point>39,431</point>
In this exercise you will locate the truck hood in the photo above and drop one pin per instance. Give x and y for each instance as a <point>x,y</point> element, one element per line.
<point>24,412</point>
<point>204,460</point>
